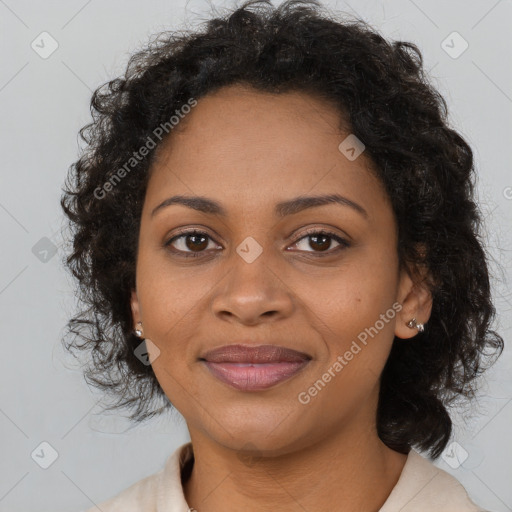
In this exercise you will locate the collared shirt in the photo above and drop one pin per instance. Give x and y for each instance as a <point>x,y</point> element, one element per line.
<point>422,487</point>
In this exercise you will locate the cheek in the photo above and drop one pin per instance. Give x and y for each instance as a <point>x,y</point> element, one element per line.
<point>357,304</point>
<point>365,284</point>
<point>167,291</point>
<point>164,302</point>
<point>357,343</point>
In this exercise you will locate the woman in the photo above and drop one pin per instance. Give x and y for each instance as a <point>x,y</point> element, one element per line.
<point>275,233</point>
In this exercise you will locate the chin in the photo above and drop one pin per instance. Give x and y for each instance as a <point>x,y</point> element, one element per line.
<point>261,440</point>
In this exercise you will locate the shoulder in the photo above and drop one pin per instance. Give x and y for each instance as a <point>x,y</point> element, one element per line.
<point>423,486</point>
<point>139,496</point>
<point>161,491</point>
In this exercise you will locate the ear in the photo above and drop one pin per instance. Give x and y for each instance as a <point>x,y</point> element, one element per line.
<point>416,299</point>
<point>134,303</point>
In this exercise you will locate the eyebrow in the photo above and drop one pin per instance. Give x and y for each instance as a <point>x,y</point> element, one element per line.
<point>282,209</point>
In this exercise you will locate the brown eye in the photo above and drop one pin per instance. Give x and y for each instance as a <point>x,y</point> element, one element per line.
<point>320,241</point>
<point>196,242</point>
<point>192,242</point>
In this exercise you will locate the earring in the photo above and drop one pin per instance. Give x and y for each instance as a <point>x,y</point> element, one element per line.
<point>413,324</point>
<point>138,332</point>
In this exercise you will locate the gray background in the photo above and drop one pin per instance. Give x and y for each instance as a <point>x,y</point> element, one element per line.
<point>43,104</point>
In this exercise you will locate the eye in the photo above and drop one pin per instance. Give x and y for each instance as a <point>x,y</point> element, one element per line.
<point>194,243</point>
<point>191,243</point>
<point>320,241</point>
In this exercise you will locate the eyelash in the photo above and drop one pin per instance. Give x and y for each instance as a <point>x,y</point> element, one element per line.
<point>343,243</point>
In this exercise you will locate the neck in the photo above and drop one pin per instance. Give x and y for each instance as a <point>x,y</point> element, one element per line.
<point>352,471</point>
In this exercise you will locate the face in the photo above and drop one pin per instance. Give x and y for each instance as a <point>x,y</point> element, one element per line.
<point>311,277</point>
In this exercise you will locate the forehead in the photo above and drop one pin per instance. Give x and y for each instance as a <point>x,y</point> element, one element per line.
<point>240,114</point>
<point>243,145</point>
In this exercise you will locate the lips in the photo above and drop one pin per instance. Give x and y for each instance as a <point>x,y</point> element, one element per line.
<point>254,354</point>
<point>254,368</point>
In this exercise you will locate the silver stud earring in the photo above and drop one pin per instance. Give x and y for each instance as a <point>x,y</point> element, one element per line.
<point>414,325</point>
<point>138,331</point>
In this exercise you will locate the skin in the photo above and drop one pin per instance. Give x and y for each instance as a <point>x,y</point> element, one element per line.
<point>266,450</point>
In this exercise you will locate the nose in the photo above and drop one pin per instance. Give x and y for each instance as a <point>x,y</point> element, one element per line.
<point>252,293</point>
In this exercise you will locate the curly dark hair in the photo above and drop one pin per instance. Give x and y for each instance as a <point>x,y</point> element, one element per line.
<point>385,97</point>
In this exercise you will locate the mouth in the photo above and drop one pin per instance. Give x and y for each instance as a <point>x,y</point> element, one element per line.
<point>254,368</point>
